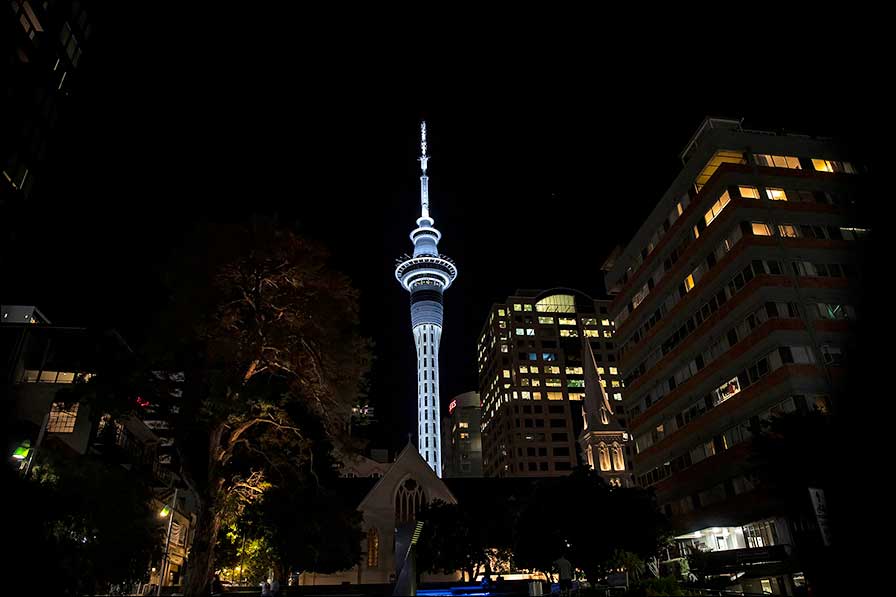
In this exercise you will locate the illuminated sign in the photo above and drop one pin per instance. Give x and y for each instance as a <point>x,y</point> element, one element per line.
<point>452,406</point>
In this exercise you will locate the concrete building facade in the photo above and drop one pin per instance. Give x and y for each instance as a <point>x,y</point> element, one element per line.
<point>733,302</point>
<point>532,379</point>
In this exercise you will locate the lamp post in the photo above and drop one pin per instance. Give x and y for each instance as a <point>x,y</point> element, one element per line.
<point>169,512</point>
<point>40,437</point>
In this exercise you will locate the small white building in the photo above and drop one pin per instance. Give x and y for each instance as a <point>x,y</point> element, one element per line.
<point>394,499</point>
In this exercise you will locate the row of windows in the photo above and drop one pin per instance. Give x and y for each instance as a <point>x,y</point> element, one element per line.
<point>725,440</point>
<point>726,340</point>
<point>732,287</point>
<point>745,192</point>
<point>672,299</point>
<point>772,361</point>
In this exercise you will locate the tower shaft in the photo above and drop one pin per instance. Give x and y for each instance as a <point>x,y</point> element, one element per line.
<point>426,275</point>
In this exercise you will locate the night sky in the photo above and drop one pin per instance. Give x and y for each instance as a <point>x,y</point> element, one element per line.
<point>536,173</point>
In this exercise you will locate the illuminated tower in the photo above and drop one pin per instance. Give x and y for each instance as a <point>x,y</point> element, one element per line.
<point>426,275</point>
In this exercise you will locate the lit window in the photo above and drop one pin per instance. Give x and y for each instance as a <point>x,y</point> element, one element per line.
<point>749,192</point>
<point>614,371</point>
<point>615,383</point>
<point>501,312</point>
<point>727,390</point>
<point>555,395</point>
<point>504,348</point>
<point>463,425</point>
<point>589,321</point>
<point>592,333</point>
<point>696,233</point>
<point>567,321</point>
<point>575,383</point>
<point>373,548</point>
<point>822,165</point>
<point>530,331</point>
<point>776,194</point>
<point>552,382</point>
<point>605,322</point>
<point>761,229</point>
<point>465,436</point>
<point>527,307</point>
<point>62,418</point>
<point>536,395</point>
<point>545,320</point>
<point>517,307</point>
<point>600,370</point>
<point>526,395</point>
<point>524,369</point>
<point>689,283</point>
<point>778,161</point>
<point>576,396</point>
<point>552,369</point>
<point>558,303</point>
<point>788,231</point>
<point>520,331</point>
<point>506,374</point>
<point>720,157</point>
<point>716,209</point>
<point>533,369</point>
<point>617,396</point>
<point>574,371</point>
<point>569,333</point>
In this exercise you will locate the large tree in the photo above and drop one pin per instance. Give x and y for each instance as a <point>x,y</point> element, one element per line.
<point>582,517</point>
<point>451,540</point>
<point>257,328</point>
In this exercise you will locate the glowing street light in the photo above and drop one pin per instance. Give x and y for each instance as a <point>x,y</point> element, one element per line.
<point>23,450</point>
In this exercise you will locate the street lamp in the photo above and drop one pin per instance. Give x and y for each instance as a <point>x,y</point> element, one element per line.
<point>22,451</point>
<point>166,511</point>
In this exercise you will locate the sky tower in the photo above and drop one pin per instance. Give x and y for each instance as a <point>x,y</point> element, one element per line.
<point>426,275</point>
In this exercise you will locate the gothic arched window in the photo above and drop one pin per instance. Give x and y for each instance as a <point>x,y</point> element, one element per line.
<point>408,501</point>
<point>618,459</point>
<point>373,547</point>
<point>604,456</point>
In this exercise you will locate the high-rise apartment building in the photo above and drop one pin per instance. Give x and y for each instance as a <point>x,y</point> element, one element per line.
<point>532,380</point>
<point>734,302</point>
<point>45,41</point>
<point>461,437</point>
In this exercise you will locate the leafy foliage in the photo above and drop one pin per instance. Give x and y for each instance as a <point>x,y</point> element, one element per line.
<point>582,517</point>
<point>90,523</point>
<point>258,338</point>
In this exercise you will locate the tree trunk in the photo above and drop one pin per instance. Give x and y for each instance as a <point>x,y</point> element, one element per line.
<point>201,559</point>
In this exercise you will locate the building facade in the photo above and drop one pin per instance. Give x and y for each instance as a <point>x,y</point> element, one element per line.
<point>532,380</point>
<point>732,303</point>
<point>462,438</point>
<point>44,44</point>
<point>426,275</point>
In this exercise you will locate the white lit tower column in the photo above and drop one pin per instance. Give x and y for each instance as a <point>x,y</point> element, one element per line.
<point>426,275</point>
